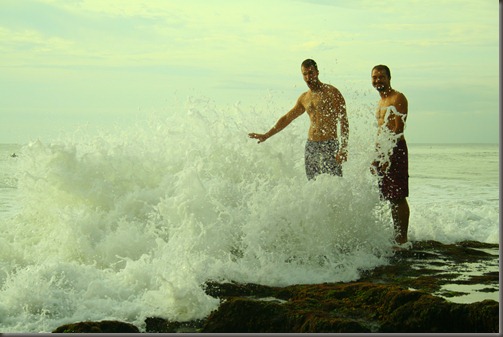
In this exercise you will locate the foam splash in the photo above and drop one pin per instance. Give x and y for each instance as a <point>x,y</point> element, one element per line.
<point>130,225</point>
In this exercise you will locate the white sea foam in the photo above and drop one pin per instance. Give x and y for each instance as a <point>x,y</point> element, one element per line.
<point>131,224</point>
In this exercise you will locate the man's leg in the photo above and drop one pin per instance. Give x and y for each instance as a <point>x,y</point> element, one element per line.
<point>328,163</point>
<point>400,213</point>
<point>312,160</point>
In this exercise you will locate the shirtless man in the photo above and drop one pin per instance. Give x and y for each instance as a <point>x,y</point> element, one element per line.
<point>393,172</point>
<point>326,108</point>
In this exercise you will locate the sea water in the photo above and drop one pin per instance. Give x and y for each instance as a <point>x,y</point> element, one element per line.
<point>130,224</point>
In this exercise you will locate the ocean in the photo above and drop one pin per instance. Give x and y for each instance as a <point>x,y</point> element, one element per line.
<point>130,223</point>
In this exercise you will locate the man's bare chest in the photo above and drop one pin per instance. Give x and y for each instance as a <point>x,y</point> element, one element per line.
<point>320,104</point>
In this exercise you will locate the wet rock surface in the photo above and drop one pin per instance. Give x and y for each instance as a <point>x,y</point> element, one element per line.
<point>412,294</point>
<point>352,307</point>
<point>98,327</point>
<point>434,268</point>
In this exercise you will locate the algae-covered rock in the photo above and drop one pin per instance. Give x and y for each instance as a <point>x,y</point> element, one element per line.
<point>350,307</point>
<point>157,324</point>
<point>247,315</point>
<point>97,327</point>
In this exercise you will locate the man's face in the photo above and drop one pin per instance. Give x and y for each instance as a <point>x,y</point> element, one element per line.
<point>310,75</point>
<point>380,80</point>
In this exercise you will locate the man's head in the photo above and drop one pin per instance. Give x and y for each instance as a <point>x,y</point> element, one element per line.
<point>381,77</point>
<point>310,73</point>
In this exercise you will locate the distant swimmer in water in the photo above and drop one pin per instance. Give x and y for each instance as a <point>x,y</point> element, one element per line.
<point>13,155</point>
<point>393,171</point>
<point>326,108</point>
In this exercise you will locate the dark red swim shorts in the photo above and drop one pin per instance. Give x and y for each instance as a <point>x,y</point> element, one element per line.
<point>394,183</point>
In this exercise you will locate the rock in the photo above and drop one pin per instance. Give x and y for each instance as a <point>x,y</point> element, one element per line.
<point>98,327</point>
<point>241,315</point>
<point>351,308</point>
<point>403,296</point>
<point>157,324</point>
<point>431,265</point>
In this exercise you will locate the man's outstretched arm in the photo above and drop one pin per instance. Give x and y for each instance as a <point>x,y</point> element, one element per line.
<point>282,123</point>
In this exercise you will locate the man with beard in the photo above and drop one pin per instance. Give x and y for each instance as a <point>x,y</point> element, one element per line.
<point>326,109</point>
<point>392,163</point>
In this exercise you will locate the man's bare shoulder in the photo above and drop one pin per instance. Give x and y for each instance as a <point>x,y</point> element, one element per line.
<point>400,102</point>
<point>394,98</point>
<point>399,96</point>
<point>333,91</point>
<point>330,87</point>
<point>302,98</point>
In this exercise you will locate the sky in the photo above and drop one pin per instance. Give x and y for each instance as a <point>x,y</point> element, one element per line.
<point>65,64</point>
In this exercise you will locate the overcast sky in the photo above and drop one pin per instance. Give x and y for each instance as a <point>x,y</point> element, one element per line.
<point>66,63</point>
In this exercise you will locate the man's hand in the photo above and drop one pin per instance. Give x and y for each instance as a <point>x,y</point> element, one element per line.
<point>261,137</point>
<point>378,168</point>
